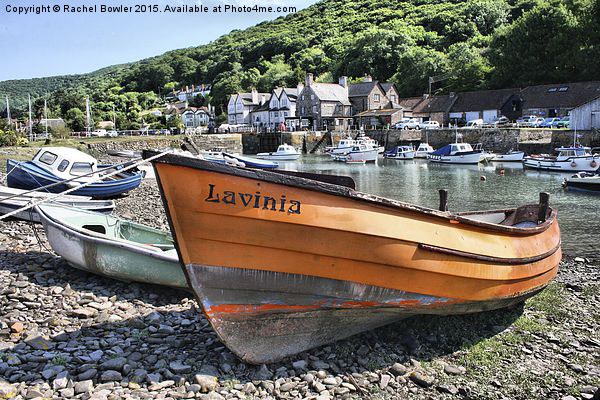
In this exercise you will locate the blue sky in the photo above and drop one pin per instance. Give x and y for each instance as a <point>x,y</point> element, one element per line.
<point>49,44</point>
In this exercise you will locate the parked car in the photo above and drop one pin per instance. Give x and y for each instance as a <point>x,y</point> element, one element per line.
<point>549,122</point>
<point>525,120</point>
<point>500,121</point>
<point>564,122</point>
<point>112,133</point>
<point>428,125</point>
<point>99,133</point>
<point>476,123</point>
<point>410,124</point>
<point>536,122</point>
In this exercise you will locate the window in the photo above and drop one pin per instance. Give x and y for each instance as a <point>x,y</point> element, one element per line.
<point>48,158</point>
<point>314,109</point>
<point>63,165</point>
<point>376,97</point>
<point>80,168</point>
<point>393,98</point>
<point>312,96</point>
<point>303,111</point>
<point>285,113</point>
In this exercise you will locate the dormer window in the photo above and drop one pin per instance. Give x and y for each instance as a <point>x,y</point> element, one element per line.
<point>376,97</point>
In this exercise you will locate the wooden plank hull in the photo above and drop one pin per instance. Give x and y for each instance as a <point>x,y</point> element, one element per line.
<point>282,264</point>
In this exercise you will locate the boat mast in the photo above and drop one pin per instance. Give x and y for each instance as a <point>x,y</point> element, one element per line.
<point>8,112</point>
<point>30,121</point>
<point>114,119</point>
<point>87,115</point>
<point>46,117</point>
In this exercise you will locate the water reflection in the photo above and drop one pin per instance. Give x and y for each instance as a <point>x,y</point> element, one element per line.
<point>505,185</point>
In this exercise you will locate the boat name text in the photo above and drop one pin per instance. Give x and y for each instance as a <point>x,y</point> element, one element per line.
<point>253,200</point>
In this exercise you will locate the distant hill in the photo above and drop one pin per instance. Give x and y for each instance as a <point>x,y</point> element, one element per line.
<point>474,44</point>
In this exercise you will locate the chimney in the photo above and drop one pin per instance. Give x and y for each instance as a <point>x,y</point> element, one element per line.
<point>309,79</point>
<point>368,78</point>
<point>299,87</point>
<point>263,99</point>
<point>343,80</point>
<point>254,96</point>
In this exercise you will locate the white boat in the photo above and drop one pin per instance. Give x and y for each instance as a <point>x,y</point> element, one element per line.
<point>363,139</point>
<point>569,159</point>
<point>485,156</point>
<point>511,156</point>
<point>423,150</point>
<point>12,199</point>
<point>583,182</point>
<point>343,146</point>
<point>455,153</point>
<point>400,153</point>
<point>360,154</point>
<point>284,152</point>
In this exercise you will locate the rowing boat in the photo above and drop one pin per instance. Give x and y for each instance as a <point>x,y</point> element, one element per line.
<point>282,263</point>
<point>112,247</point>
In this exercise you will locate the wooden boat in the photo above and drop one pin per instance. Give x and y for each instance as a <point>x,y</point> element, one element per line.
<point>284,152</point>
<point>583,182</point>
<point>111,246</point>
<point>53,165</point>
<point>400,153</point>
<point>13,199</point>
<point>281,263</point>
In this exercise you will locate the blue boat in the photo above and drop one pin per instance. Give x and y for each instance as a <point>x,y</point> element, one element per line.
<point>252,162</point>
<point>53,165</point>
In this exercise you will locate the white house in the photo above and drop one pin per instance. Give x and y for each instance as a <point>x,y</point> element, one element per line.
<point>194,117</point>
<point>187,94</point>
<point>282,106</point>
<point>240,106</point>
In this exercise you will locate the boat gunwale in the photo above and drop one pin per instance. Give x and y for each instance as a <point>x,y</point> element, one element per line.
<point>342,191</point>
<point>95,237</point>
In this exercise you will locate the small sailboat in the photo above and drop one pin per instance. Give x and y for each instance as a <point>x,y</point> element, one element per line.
<point>282,264</point>
<point>66,168</point>
<point>111,246</point>
<point>284,152</point>
<point>400,153</point>
<point>359,154</point>
<point>12,199</point>
<point>583,182</point>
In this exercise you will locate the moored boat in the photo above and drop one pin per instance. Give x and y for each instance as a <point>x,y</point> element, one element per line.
<point>12,199</point>
<point>343,146</point>
<point>511,156</point>
<point>359,154</point>
<point>364,139</point>
<point>282,264</point>
<point>252,162</point>
<point>65,168</point>
<point>583,182</point>
<point>284,152</point>
<point>400,153</point>
<point>111,246</point>
<point>456,153</point>
<point>569,159</point>
<point>424,150</point>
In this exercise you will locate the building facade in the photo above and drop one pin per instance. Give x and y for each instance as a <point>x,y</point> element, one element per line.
<point>325,106</point>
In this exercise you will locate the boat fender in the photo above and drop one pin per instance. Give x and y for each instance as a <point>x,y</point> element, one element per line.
<point>482,178</point>
<point>593,164</point>
<point>501,172</point>
<point>573,164</point>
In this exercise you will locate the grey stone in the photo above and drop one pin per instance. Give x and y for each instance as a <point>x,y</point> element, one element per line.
<point>88,374</point>
<point>161,385</point>
<point>114,363</point>
<point>452,370</point>
<point>179,368</point>
<point>67,393</point>
<point>318,364</point>
<point>85,386</point>
<point>384,381</point>
<point>330,382</point>
<point>262,373</point>
<point>206,382</point>
<point>398,369</point>
<point>308,378</point>
<point>61,380</point>
<point>446,388</point>
<point>300,364</point>
<point>110,375</point>
<point>96,355</point>
<point>287,386</point>
<point>421,379</point>
<point>212,396</point>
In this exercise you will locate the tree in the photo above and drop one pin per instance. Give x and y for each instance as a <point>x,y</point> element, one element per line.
<point>488,15</point>
<point>276,73</point>
<point>414,69</point>
<point>75,119</point>
<point>468,68</point>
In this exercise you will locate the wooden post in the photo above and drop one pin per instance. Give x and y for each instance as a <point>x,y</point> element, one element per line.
<point>543,207</point>
<point>443,200</point>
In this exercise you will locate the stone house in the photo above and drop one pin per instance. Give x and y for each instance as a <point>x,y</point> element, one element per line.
<point>241,105</point>
<point>435,108</point>
<point>557,100</point>
<point>325,106</point>
<point>487,105</point>
<point>379,118</point>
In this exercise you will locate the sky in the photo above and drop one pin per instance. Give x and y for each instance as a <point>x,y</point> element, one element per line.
<point>58,43</point>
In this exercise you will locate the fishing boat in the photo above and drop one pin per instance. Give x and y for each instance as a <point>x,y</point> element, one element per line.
<point>484,156</point>
<point>400,153</point>
<point>511,156</point>
<point>583,182</point>
<point>343,146</point>
<point>569,159</point>
<point>282,264</point>
<point>455,153</point>
<point>12,199</point>
<point>66,168</point>
<point>284,152</point>
<point>424,150</point>
<point>359,154</point>
<point>364,139</point>
<point>111,246</point>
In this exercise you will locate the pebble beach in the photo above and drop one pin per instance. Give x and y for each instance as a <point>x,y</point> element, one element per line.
<point>65,333</point>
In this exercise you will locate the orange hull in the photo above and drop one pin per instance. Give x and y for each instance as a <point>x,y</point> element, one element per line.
<point>311,251</point>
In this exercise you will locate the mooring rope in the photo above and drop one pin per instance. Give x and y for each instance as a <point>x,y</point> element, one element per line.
<point>55,196</point>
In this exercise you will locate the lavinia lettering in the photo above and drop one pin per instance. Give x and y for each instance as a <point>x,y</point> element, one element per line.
<point>253,200</point>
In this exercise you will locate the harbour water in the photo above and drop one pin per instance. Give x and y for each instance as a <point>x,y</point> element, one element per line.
<point>418,181</point>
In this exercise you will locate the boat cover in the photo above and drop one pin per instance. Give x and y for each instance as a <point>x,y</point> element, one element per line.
<point>444,151</point>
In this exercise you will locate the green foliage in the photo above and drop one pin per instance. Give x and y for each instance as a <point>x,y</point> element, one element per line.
<point>478,43</point>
